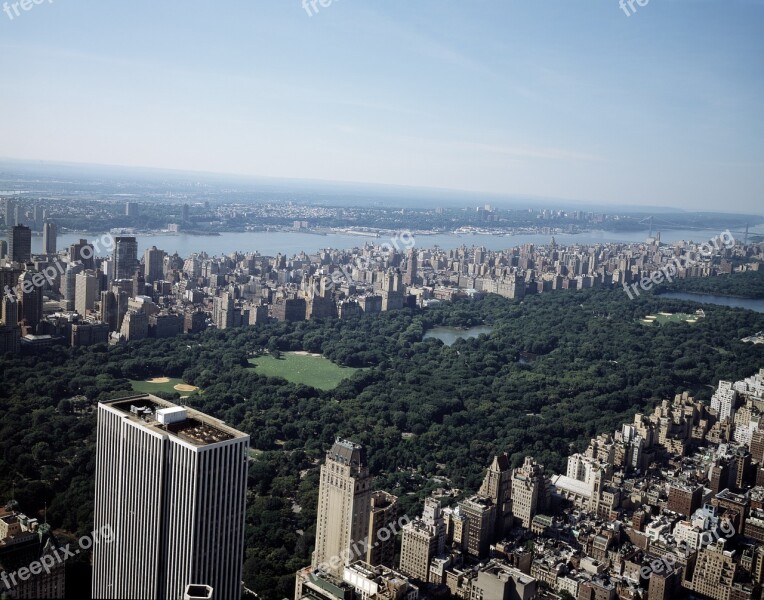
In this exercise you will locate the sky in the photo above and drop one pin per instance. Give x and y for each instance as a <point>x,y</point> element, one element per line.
<point>568,99</point>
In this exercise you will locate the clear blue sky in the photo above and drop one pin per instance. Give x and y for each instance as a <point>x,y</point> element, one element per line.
<point>557,98</point>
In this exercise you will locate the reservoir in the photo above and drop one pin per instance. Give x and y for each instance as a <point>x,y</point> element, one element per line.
<point>749,303</point>
<point>449,335</point>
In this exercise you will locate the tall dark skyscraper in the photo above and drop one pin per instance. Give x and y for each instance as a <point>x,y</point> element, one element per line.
<point>49,237</point>
<point>411,267</point>
<point>77,253</point>
<point>30,301</point>
<point>20,244</point>
<point>125,257</point>
<point>153,264</point>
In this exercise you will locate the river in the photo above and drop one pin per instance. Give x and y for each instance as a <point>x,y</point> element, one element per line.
<point>749,303</point>
<point>270,243</point>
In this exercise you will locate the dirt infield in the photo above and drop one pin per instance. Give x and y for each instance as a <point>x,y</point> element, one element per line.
<point>182,387</point>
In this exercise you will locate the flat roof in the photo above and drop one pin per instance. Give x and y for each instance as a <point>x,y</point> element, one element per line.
<point>197,429</point>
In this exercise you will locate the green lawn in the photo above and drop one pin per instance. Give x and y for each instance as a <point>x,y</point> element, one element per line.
<point>147,387</point>
<point>307,369</point>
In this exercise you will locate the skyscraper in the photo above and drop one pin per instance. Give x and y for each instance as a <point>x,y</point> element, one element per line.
<point>528,491</point>
<point>86,292</point>
<point>497,486</point>
<point>125,257</point>
<point>171,482</point>
<point>423,539</point>
<point>344,503</point>
<point>383,513</point>
<point>9,213</point>
<point>49,237</point>
<point>20,244</point>
<point>153,264</point>
<point>70,283</point>
<point>82,252</point>
<point>411,266</point>
<point>31,300</point>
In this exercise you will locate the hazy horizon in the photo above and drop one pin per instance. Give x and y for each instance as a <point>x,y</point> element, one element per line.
<point>558,100</point>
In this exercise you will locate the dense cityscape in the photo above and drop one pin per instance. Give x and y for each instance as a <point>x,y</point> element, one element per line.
<point>321,300</point>
<point>671,502</point>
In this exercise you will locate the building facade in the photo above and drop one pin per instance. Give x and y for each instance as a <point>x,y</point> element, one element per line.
<point>171,482</point>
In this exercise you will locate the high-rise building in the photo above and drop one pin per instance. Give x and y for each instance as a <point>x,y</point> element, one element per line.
<point>86,292</point>
<point>125,257</point>
<point>497,485</point>
<point>344,503</point>
<point>9,213</point>
<point>153,264</point>
<point>481,523</point>
<point>383,515</point>
<point>502,582</point>
<point>131,209</point>
<point>135,326</point>
<point>392,290</point>
<point>411,268</point>
<point>223,311</point>
<point>139,285</point>
<point>528,491</point>
<point>10,335</point>
<point>108,310</point>
<point>423,539</point>
<point>20,244</point>
<point>714,573</point>
<point>82,252</point>
<point>25,541</point>
<point>723,401</point>
<point>171,482</point>
<point>49,237</point>
<point>30,300</point>
<point>70,283</point>
<point>684,499</point>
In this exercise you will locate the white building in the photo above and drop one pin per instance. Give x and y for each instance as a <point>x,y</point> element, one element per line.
<point>723,401</point>
<point>171,482</point>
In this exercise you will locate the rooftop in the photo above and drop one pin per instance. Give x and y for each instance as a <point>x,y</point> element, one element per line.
<point>185,423</point>
<point>348,453</point>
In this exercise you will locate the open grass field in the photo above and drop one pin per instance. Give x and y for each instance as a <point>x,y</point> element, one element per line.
<point>300,367</point>
<point>662,318</point>
<point>163,384</point>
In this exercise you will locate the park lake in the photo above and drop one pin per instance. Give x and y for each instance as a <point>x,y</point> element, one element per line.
<point>449,335</point>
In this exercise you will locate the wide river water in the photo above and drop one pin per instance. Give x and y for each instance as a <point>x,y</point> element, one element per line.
<point>270,243</point>
<point>750,304</point>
